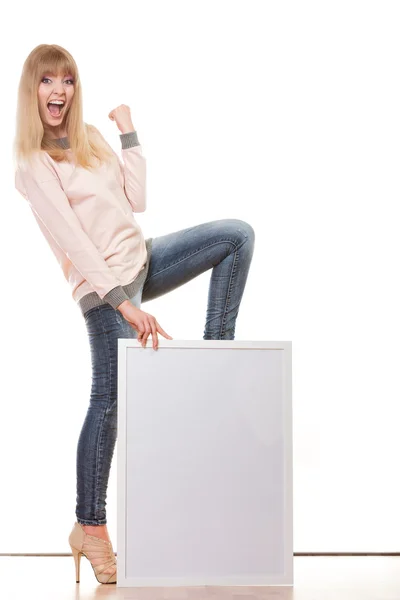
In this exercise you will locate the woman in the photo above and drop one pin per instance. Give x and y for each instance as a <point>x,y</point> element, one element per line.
<point>83,198</point>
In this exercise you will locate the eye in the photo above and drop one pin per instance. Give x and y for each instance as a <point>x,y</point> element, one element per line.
<point>47,79</point>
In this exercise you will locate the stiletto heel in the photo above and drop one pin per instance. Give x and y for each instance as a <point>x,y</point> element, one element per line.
<point>77,557</point>
<point>99,553</point>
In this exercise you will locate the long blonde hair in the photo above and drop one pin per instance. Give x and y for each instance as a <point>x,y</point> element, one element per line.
<point>87,144</point>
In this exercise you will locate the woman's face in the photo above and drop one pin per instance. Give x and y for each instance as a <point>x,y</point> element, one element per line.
<point>52,88</point>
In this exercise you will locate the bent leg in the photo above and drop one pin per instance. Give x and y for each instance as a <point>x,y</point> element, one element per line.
<point>226,246</point>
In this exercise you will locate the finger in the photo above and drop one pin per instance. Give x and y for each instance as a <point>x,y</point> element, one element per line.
<point>141,334</point>
<point>141,331</point>
<point>146,334</point>
<point>161,330</point>
<point>154,334</point>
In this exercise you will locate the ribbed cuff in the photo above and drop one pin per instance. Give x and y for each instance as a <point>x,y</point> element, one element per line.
<point>115,296</point>
<point>128,140</point>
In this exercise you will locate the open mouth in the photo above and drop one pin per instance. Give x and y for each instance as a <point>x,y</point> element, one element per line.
<point>55,109</point>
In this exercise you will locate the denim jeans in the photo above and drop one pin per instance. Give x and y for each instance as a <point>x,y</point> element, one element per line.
<point>225,246</point>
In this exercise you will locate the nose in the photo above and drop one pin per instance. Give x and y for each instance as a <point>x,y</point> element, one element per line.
<point>59,87</point>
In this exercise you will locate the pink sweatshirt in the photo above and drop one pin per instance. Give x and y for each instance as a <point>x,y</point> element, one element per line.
<point>87,219</point>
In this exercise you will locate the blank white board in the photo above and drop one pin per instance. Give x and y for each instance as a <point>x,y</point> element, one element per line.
<point>204,463</point>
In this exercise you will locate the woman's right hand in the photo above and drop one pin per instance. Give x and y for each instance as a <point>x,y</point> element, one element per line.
<point>143,323</point>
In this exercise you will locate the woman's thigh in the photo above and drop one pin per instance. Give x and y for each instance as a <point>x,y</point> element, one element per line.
<point>104,326</point>
<point>178,257</point>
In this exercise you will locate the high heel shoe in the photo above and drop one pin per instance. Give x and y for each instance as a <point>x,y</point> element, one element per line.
<point>98,552</point>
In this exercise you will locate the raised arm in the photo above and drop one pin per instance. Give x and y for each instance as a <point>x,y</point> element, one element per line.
<point>42,189</point>
<point>133,170</point>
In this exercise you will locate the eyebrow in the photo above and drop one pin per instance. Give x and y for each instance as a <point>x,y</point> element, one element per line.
<point>54,74</point>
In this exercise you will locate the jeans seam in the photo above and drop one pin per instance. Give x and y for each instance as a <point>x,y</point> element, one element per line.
<point>98,458</point>
<point>228,296</point>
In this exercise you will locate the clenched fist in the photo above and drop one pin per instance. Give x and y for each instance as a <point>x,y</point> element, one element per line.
<point>122,116</point>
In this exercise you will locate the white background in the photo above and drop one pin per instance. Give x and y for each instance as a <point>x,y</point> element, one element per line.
<point>285,115</point>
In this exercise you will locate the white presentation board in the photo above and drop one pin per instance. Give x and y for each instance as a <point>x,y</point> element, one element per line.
<point>205,484</point>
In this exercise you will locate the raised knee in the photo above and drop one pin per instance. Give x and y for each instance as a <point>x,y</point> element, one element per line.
<point>246,229</point>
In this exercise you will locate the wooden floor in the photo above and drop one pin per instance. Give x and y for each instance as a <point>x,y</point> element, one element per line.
<point>316,578</point>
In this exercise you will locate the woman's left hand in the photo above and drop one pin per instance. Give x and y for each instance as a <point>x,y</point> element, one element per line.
<point>122,116</point>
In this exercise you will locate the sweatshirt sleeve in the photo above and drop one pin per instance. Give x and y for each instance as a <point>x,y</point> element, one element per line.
<point>40,186</point>
<point>133,170</point>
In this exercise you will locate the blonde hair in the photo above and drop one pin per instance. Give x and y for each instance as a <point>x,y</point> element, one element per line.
<point>86,142</point>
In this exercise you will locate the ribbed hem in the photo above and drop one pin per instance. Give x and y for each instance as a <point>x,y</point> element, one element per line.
<point>120,293</point>
<point>128,140</point>
<point>116,296</point>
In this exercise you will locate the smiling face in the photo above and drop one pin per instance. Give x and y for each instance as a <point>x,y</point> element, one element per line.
<point>55,88</point>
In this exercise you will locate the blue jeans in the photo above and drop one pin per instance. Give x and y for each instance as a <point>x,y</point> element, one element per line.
<point>225,246</point>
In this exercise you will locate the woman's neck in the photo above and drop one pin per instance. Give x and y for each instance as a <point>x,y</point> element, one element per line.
<point>56,135</point>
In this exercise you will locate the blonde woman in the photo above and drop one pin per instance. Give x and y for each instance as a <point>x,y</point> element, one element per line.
<point>83,198</point>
